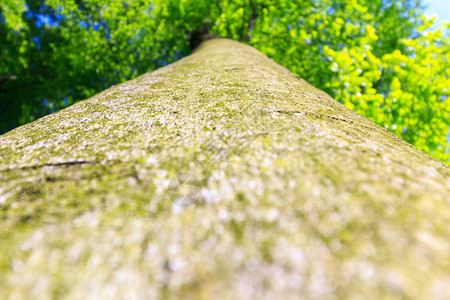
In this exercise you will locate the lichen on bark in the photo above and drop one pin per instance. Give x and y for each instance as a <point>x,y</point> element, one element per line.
<point>222,175</point>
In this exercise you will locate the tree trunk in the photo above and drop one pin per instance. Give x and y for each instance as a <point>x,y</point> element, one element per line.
<point>222,175</point>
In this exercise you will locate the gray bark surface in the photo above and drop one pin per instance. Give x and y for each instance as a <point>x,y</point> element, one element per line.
<point>221,176</point>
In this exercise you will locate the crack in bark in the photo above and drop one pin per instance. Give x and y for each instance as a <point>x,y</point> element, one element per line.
<point>292,112</point>
<point>58,164</point>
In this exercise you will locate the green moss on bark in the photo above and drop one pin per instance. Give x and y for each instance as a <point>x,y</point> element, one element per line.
<point>222,175</point>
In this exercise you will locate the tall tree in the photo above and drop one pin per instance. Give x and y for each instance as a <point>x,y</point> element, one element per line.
<point>378,57</point>
<point>223,175</point>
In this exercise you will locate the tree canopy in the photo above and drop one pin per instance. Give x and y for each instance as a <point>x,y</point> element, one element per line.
<point>381,58</point>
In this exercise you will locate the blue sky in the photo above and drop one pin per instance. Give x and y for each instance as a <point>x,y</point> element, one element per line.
<point>439,8</point>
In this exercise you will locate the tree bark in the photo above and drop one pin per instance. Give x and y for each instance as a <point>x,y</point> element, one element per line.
<point>222,175</point>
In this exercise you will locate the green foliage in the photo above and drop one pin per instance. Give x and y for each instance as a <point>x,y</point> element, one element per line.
<point>404,90</point>
<point>380,58</point>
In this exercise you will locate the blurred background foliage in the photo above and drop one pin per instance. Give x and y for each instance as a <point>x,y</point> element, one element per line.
<point>381,58</point>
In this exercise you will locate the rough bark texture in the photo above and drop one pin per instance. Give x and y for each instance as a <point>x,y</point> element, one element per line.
<point>220,176</point>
